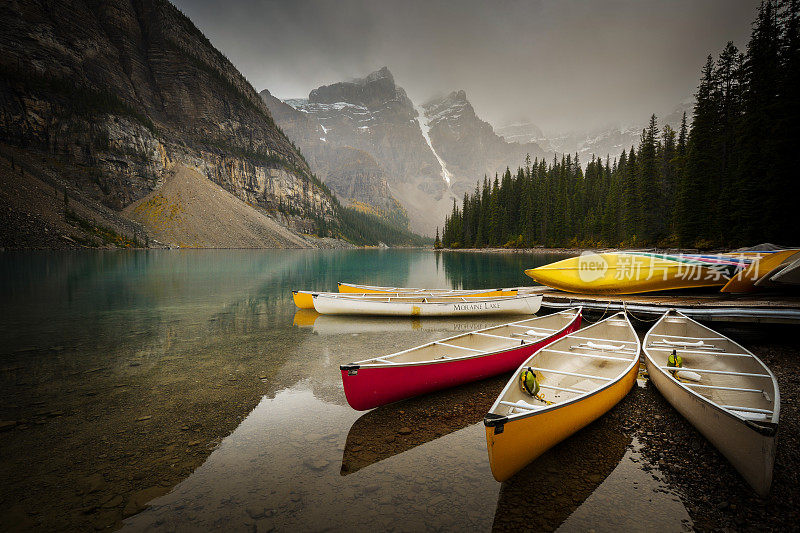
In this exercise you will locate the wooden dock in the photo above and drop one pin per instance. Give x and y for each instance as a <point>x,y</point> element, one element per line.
<point>765,308</point>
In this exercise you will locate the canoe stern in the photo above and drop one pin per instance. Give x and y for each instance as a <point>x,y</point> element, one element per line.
<point>303,300</point>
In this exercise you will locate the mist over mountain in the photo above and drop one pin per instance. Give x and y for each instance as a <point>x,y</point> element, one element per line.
<point>604,142</point>
<point>372,145</point>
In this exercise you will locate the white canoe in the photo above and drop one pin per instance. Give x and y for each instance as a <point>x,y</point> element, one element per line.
<point>343,304</point>
<point>304,300</point>
<point>724,390</point>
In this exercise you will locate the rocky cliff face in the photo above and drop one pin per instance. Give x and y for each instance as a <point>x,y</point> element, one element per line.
<point>468,145</point>
<point>118,93</point>
<point>351,173</point>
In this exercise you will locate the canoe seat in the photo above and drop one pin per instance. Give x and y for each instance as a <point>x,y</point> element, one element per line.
<point>695,344</point>
<point>611,347</point>
<point>603,347</point>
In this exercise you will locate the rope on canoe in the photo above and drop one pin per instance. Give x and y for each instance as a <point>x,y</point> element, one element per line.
<point>644,320</point>
<point>540,396</point>
<point>608,304</point>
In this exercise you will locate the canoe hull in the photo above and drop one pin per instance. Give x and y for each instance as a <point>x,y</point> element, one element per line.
<point>375,386</point>
<point>522,440</point>
<point>750,452</point>
<point>351,288</point>
<point>612,273</point>
<point>760,270</point>
<point>352,306</point>
<point>303,300</point>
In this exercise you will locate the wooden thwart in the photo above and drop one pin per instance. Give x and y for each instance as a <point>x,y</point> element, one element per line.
<point>736,389</point>
<point>529,408</point>
<point>688,338</point>
<point>497,336</point>
<point>725,372</point>
<point>587,376</point>
<point>596,356</point>
<point>600,340</point>
<point>700,352</point>
<point>746,409</point>
<point>576,391</point>
<point>460,347</point>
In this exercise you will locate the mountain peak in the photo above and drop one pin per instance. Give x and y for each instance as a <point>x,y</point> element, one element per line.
<point>373,89</point>
<point>380,74</point>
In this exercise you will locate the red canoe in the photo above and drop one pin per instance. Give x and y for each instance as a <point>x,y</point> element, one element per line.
<point>452,361</point>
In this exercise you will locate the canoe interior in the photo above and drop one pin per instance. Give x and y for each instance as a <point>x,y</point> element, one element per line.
<point>571,354</point>
<point>485,341</point>
<point>716,353</point>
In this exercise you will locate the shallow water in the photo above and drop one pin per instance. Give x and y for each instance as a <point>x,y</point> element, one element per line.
<point>117,366</point>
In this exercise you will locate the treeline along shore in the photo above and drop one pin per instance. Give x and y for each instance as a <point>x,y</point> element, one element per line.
<point>725,180</point>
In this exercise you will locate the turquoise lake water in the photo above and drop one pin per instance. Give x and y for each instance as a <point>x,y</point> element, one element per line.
<point>114,363</point>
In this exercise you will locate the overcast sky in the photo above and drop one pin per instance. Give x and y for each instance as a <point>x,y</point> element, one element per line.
<point>565,65</point>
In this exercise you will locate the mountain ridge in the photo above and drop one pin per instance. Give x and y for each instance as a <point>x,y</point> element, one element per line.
<point>117,95</point>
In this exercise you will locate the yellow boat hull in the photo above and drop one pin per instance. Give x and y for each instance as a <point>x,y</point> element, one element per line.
<point>615,273</point>
<point>524,439</point>
<point>363,289</point>
<point>745,281</point>
<point>303,300</point>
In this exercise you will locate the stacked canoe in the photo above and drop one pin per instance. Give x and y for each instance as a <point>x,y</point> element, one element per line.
<point>631,272</point>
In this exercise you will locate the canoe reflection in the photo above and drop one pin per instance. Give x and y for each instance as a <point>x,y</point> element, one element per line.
<point>396,428</point>
<point>345,325</point>
<point>305,317</point>
<point>546,492</point>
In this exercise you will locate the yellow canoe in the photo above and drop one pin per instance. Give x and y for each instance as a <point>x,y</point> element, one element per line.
<point>581,375</point>
<point>767,264</point>
<point>375,289</point>
<point>623,273</point>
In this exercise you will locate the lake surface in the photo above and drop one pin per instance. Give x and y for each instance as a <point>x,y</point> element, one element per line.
<point>189,376</point>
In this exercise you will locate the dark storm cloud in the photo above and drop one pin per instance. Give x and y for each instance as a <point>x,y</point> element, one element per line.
<point>563,64</point>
